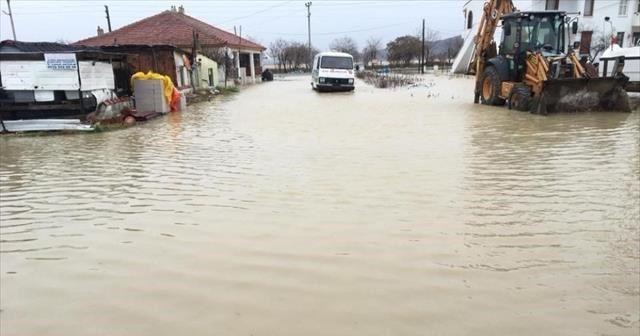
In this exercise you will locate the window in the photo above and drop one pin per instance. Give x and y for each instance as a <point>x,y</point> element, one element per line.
<point>470,20</point>
<point>588,8</point>
<point>620,38</point>
<point>622,8</point>
<point>545,34</point>
<point>636,39</point>
<point>336,62</point>
<point>551,5</point>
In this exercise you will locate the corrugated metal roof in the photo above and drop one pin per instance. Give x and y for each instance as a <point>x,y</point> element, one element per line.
<point>11,46</point>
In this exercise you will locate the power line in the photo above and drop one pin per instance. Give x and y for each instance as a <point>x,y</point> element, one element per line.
<point>338,32</point>
<point>258,12</point>
<point>364,29</point>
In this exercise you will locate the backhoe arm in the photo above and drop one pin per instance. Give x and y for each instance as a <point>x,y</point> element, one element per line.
<point>491,13</point>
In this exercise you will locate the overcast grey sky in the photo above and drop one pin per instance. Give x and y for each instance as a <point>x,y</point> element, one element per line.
<point>265,21</point>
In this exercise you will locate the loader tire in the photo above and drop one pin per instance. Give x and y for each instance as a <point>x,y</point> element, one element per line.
<point>520,98</point>
<point>491,87</point>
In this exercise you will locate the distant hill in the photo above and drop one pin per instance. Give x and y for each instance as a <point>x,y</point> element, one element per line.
<point>441,46</point>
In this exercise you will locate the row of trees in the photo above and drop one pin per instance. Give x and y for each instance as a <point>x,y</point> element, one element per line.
<point>405,49</point>
<point>292,55</point>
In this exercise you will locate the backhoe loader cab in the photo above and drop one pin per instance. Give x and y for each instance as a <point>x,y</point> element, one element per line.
<point>536,69</point>
<point>534,31</point>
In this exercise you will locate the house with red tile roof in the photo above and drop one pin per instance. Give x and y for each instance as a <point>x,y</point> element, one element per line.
<point>174,27</point>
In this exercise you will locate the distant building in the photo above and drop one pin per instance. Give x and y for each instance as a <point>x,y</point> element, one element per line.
<point>174,27</point>
<point>472,13</point>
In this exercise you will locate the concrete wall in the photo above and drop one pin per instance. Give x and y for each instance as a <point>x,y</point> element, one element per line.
<point>183,77</point>
<point>204,68</point>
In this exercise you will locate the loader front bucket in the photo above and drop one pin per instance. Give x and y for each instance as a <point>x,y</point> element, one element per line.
<point>582,94</point>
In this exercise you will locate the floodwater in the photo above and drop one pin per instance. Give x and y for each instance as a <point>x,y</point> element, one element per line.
<point>281,211</point>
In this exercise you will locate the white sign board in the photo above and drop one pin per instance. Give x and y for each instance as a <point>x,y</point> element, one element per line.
<point>64,62</point>
<point>35,75</point>
<point>96,75</point>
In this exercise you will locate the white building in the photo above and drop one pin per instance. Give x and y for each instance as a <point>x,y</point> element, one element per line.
<point>598,22</point>
<point>472,12</point>
<point>471,15</point>
<point>595,30</point>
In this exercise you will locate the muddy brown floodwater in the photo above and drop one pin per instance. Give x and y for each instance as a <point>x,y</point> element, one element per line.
<point>281,211</point>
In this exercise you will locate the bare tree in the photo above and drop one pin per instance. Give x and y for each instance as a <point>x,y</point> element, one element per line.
<point>216,54</point>
<point>277,50</point>
<point>346,45</point>
<point>431,38</point>
<point>370,51</point>
<point>296,54</point>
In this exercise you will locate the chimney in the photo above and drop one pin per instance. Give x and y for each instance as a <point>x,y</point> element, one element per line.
<point>181,9</point>
<point>173,8</point>
<point>100,31</point>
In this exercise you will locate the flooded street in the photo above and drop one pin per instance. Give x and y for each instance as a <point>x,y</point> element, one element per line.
<point>281,211</point>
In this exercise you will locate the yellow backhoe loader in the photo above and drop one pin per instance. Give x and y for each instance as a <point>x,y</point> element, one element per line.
<point>536,69</point>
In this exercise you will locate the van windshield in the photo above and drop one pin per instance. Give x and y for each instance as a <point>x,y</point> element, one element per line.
<point>336,62</point>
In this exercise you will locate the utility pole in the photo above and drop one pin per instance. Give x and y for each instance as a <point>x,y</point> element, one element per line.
<point>308,5</point>
<point>239,49</point>
<point>13,28</point>
<point>106,10</point>
<point>422,58</point>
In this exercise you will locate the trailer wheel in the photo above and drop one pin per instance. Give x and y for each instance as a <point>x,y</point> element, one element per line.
<point>491,87</point>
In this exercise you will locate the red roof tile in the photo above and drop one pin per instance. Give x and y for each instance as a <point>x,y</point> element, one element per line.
<point>173,28</point>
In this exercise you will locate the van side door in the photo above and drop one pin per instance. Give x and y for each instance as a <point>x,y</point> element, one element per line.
<point>316,66</point>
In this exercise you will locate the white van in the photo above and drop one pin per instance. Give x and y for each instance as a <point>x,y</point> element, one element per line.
<point>332,71</point>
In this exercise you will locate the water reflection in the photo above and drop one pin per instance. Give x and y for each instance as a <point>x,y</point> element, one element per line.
<point>405,208</point>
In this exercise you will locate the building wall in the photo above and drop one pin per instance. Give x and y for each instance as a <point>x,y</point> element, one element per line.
<point>627,22</point>
<point>205,67</point>
<point>563,5</point>
<point>159,61</point>
<point>183,76</point>
<point>472,12</point>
